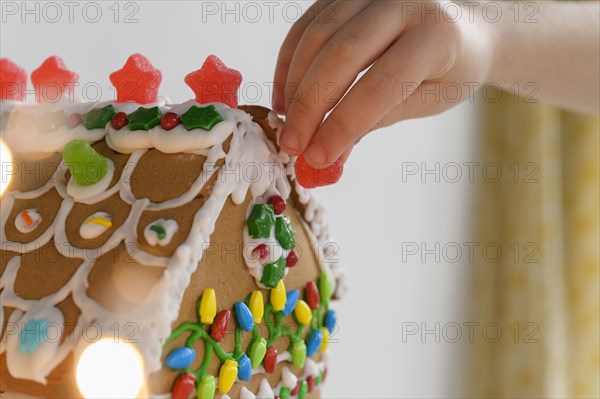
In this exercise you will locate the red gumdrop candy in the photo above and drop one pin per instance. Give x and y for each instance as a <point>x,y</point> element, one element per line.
<point>137,81</point>
<point>12,81</point>
<point>310,177</point>
<point>52,79</point>
<point>215,82</point>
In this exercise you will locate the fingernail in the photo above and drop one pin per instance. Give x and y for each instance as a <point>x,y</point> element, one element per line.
<point>315,156</point>
<point>289,142</point>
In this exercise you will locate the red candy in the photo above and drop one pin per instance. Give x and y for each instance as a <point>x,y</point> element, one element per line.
<point>119,120</point>
<point>296,389</point>
<point>184,386</point>
<point>137,81</point>
<point>12,81</point>
<point>74,120</point>
<point>310,381</point>
<point>219,327</point>
<point>292,259</point>
<point>52,79</point>
<point>310,177</point>
<point>261,252</point>
<point>278,204</point>
<point>270,360</point>
<point>215,83</point>
<point>169,120</point>
<point>312,295</point>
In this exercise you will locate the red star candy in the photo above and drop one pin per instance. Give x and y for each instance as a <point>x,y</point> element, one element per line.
<point>215,83</point>
<point>137,81</point>
<point>12,81</point>
<point>52,79</point>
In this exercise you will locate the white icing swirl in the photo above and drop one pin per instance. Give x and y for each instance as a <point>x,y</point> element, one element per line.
<point>169,227</point>
<point>27,226</point>
<point>94,225</point>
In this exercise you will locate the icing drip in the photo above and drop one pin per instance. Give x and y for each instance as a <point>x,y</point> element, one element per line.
<point>160,232</point>
<point>28,220</point>
<point>95,225</point>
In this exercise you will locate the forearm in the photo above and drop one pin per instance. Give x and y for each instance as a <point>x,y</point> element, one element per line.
<point>558,52</point>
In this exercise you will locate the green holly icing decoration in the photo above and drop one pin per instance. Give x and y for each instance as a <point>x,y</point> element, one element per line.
<point>201,117</point>
<point>273,272</point>
<point>325,287</point>
<point>85,164</point>
<point>144,118</point>
<point>284,232</point>
<point>98,118</point>
<point>261,221</point>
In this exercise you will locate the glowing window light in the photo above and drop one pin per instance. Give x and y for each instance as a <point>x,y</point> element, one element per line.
<point>109,369</point>
<point>5,167</point>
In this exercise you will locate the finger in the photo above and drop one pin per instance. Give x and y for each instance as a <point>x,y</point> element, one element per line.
<point>352,49</point>
<point>316,34</point>
<point>346,155</point>
<point>395,76</point>
<point>286,52</point>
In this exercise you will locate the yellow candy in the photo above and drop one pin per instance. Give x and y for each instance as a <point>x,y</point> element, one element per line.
<point>227,375</point>
<point>208,306</point>
<point>325,342</point>
<point>278,296</point>
<point>101,221</point>
<point>302,312</point>
<point>257,306</point>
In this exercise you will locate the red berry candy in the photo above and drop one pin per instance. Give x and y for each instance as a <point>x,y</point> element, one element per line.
<point>12,81</point>
<point>296,389</point>
<point>119,120</point>
<point>313,298</point>
<point>74,120</point>
<point>137,81</point>
<point>310,381</point>
<point>278,204</point>
<point>292,259</point>
<point>215,83</point>
<point>220,324</point>
<point>184,386</point>
<point>261,252</point>
<point>169,120</point>
<point>52,79</point>
<point>310,177</point>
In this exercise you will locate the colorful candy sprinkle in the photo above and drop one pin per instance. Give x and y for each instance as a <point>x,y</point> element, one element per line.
<point>244,368</point>
<point>270,360</point>
<point>302,312</point>
<point>144,118</point>
<point>227,375</point>
<point>137,81</point>
<point>310,177</point>
<point>244,316</point>
<point>206,387</point>
<point>159,230</point>
<point>278,296</point>
<point>180,358</point>
<point>169,121</point>
<point>184,386</point>
<point>119,120</point>
<point>290,302</point>
<point>208,306</point>
<point>278,204</point>
<point>219,327</point>
<point>13,80</point>
<point>312,295</point>
<point>52,79</point>
<point>215,82</point>
<point>26,218</point>
<point>204,118</point>
<point>86,165</point>
<point>99,117</point>
<point>292,259</point>
<point>284,232</point>
<point>258,351</point>
<point>257,306</point>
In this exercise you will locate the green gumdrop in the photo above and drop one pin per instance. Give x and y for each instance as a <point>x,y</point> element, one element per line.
<point>273,272</point>
<point>284,232</point>
<point>325,287</point>
<point>261,220</point>
<point>299,353</point>
<point>86,165</point>
<point>206,388</point>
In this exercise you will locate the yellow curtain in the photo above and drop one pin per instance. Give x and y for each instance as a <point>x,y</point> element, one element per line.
<point>542,293</point>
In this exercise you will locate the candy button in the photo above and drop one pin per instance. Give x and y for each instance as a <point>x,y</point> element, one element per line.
<point>278,204</point>
<point>292,259</point>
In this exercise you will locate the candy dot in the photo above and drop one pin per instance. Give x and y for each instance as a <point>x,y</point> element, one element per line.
<point>119,120</point>
<point>278,204</point>
<point>169,120</point>
<point>292,259</point>
<point>261,252</point>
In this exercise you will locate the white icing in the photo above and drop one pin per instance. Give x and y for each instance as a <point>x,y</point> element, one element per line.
<point>265,391</point>
<point>81,193</point>
<point>170,226</point>
<point>90,229</point>
<point>25,227</point>
<point>288,379</point>
<point>245,393</point>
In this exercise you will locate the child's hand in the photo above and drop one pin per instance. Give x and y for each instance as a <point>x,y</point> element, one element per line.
<point>424,63</point>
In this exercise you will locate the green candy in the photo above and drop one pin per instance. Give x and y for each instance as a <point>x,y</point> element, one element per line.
<point>98,118</point>
<point>325,287</point>
<point>201,117</point>
<point>144,118</point>
<point>298,353</point>
<point>258,351</point>
<point>206,388</point>
<point>273,272</point>
<point>261,220</point>
<point>85,164</point>
<point>303,390</point>
<point>284,393</point>
<point>284,232</point>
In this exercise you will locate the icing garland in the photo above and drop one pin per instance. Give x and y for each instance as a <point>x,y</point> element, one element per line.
<point>261,355</point>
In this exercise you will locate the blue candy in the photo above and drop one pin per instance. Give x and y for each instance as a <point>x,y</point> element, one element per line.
<point>313,342</point>
<point>244,316</point>
<point>181,358</point>
<point>244,368</point>
<point>290,302</point>
<point>330,320</point>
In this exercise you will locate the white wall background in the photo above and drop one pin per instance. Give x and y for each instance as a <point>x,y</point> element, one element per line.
<point>373,212</point>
